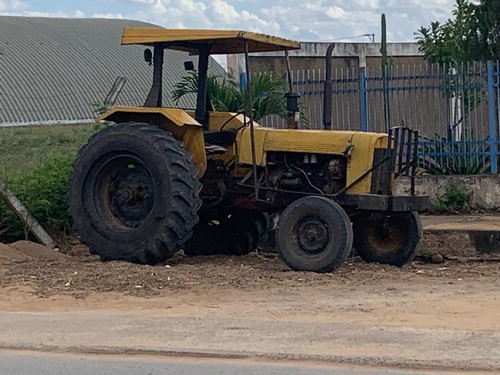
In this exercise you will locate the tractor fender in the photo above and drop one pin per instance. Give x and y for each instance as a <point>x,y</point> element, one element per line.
<point>177,121</point>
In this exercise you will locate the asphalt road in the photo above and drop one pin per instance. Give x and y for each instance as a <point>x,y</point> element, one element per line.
<point>28,363</point>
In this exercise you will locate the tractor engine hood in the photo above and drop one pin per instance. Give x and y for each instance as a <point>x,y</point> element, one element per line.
<point>343,143</point>
<point>358,147</point>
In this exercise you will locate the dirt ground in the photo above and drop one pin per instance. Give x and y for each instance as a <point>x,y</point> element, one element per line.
<point>29,266</point>
<point>442,315</point>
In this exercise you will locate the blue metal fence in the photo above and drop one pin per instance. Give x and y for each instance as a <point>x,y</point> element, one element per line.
<point>493,74</point>
<point>456,110</point>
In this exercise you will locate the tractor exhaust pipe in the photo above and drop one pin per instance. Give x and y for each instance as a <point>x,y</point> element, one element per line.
<point>328,89</point>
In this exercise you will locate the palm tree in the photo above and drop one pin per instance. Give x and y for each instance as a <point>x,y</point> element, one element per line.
<point>227,96</point>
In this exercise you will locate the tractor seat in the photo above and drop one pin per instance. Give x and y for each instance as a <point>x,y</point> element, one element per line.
<point>222,138</point>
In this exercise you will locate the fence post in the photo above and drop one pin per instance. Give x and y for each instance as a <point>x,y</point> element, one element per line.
<point>492,118</point>
<point>362,99</point>
<point>243,81</point>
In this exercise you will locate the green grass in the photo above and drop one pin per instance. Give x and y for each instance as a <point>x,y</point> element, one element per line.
<point>22,148</point>
<point>36,163</point>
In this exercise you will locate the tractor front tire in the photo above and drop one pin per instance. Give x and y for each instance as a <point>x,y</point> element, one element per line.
<point>314,234</point>
<point>134,194</point>
<point>391,240</point>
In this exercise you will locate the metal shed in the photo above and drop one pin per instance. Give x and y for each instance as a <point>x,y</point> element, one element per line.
<point>56,70</point>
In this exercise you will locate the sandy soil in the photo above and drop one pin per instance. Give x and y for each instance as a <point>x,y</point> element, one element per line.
<point>75,272</point>
<point>420,312</point>
<point>452,294</point>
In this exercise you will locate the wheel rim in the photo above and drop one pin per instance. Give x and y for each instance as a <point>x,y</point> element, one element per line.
<point>123,191</point>
<point>311,235</point>
<point>388,235</point>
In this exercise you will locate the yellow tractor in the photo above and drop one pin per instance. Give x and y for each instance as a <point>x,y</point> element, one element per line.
<point>164,179</point>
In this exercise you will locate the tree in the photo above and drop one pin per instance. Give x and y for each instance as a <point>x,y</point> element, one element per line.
<point>488,12</point>
<point>473,33</point>
<point>226,95</point>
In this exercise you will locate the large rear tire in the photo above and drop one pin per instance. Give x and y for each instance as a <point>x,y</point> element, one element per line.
<point>392,239</point>
<point>134,194</point>
<point>314,234</point>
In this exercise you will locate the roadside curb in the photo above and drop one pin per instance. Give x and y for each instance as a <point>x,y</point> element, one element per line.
<point>381,362</point>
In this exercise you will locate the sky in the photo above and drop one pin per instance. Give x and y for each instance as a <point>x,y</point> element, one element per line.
<point>304,20</point>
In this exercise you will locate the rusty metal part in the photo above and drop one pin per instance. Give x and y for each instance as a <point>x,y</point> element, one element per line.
<point>125,191</point>
<point>403,151</point>
<point>288,71</point>
<point>328,91</point>
<point>312,235</point>
<point>131,195</point>
<point>387,235</point>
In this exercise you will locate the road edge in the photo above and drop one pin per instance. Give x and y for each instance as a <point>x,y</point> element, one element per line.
<point>381,362</point>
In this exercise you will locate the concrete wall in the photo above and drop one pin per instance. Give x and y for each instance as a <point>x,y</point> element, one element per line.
<point>312,56</point>
<point>484,190</point>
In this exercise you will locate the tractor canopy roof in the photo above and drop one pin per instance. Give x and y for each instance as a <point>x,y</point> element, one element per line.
<point>220,41</point>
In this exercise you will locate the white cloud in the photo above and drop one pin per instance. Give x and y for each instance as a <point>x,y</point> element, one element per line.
<point>309,20</point>
<point>321,20</point>
<point>108,15</point>
<point>75,14</point>
<point>13,5</point>
<point>222,11</point>
<point>18,5</point>
<point>202,14</point>
<point>335,12</point>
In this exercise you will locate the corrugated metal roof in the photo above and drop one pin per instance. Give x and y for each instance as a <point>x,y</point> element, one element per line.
<point>55,70</point>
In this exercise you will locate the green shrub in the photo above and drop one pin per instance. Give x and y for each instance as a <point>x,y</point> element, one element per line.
<point>226,95</point>
<point>444,156</point>
<point>44,192</point>
<point>455,199</point>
